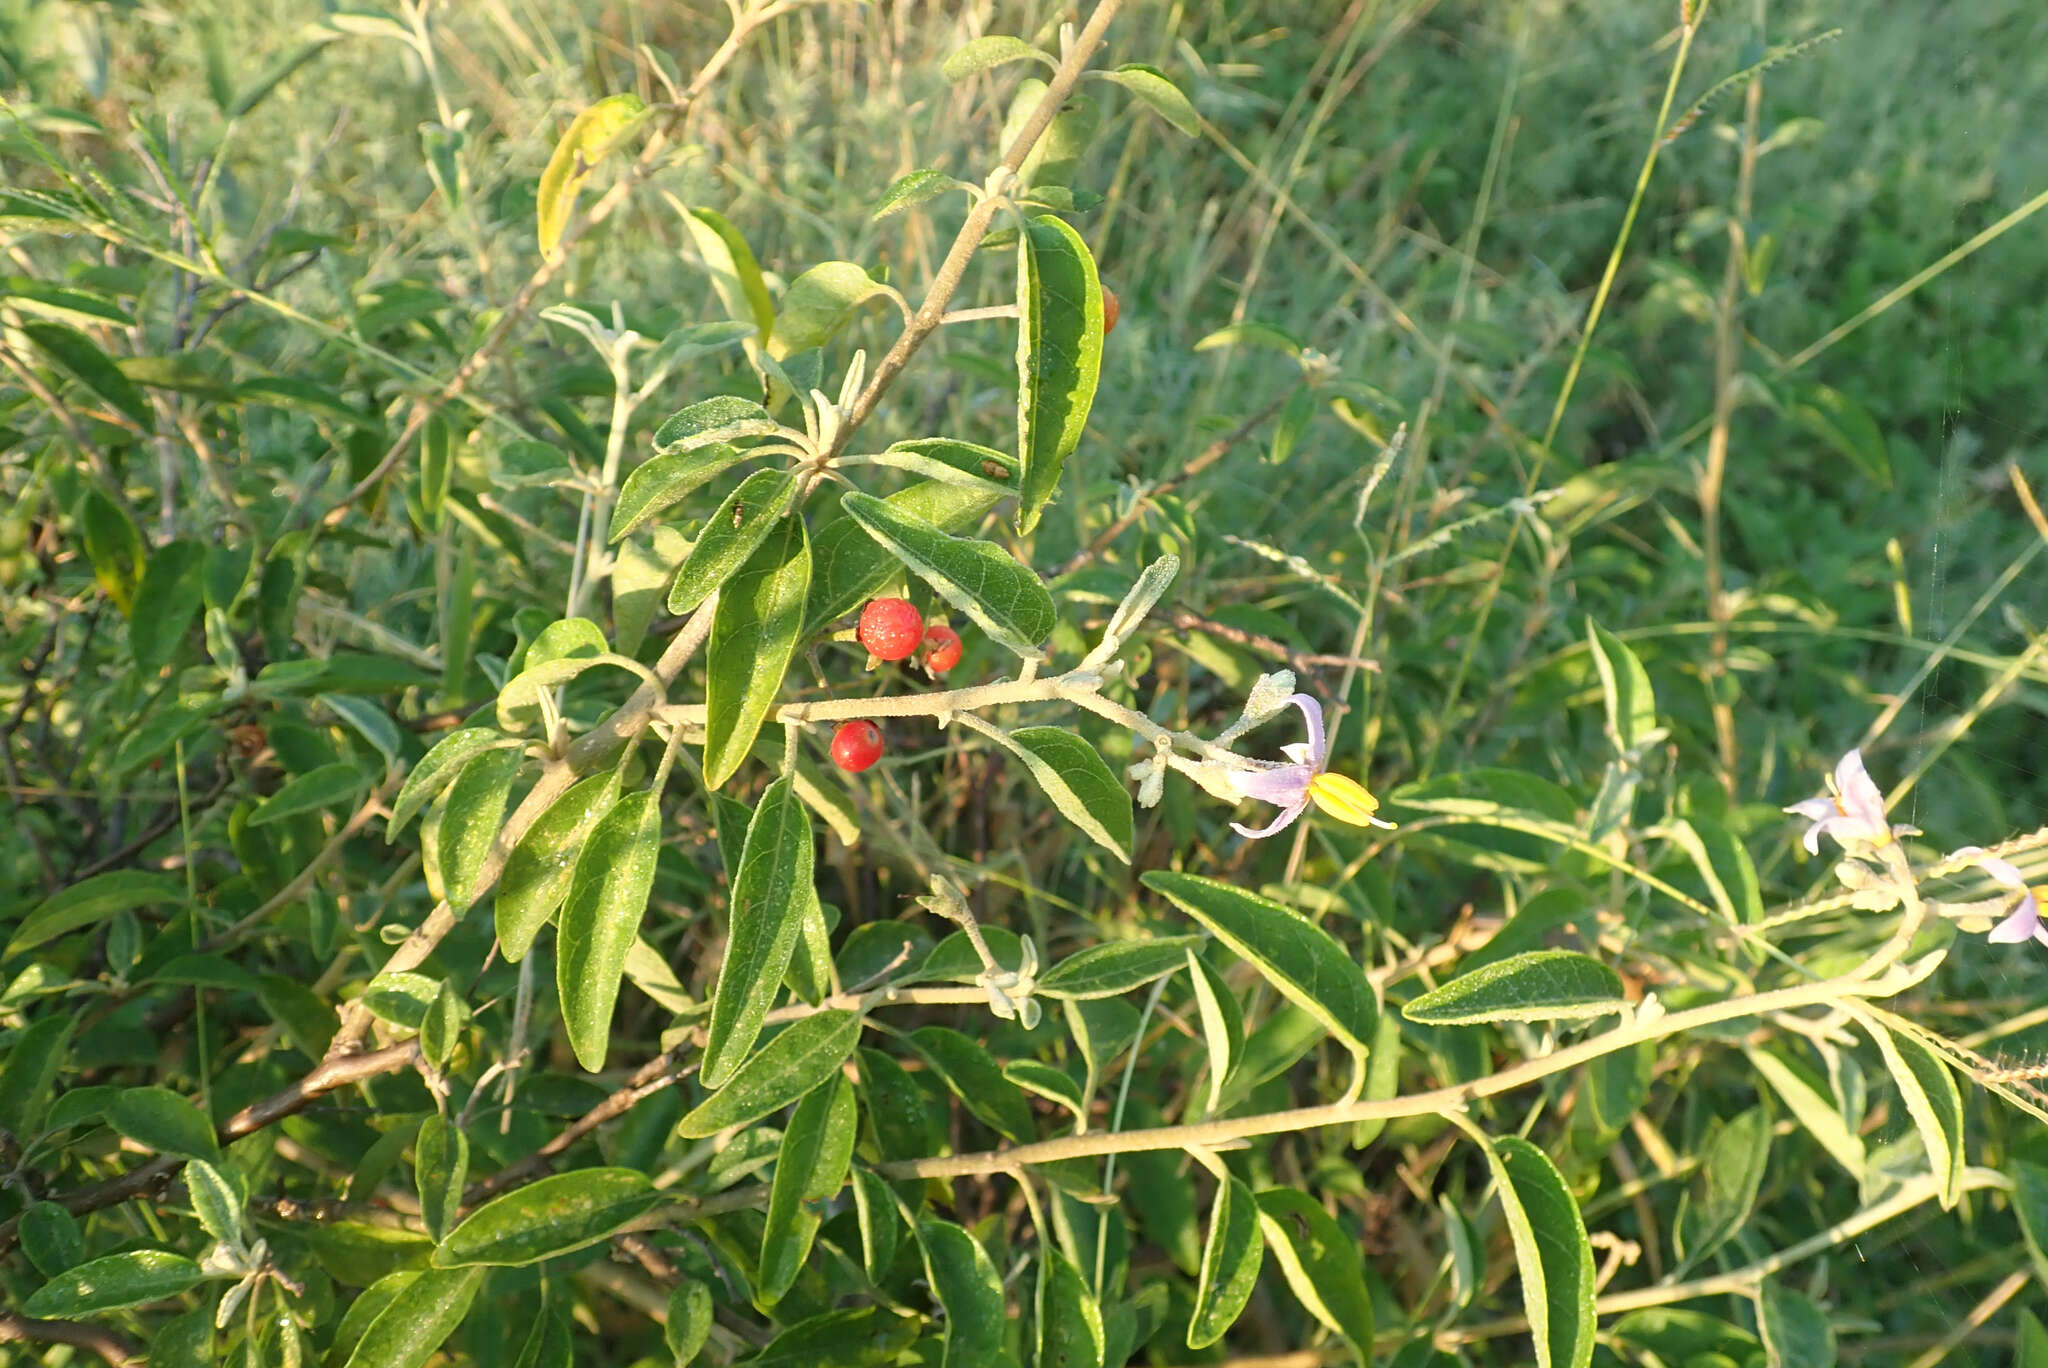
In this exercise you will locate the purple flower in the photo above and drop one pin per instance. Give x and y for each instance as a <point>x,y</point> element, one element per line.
<point>1293,786</point>
<point>2024,921</point>
<point>1851,811</point>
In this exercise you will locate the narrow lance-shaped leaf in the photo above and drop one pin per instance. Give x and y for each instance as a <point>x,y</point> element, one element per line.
<point>734,273</point>
<point>1929,1091</point>
<point>816,1148</point>
<point>589,139</point>
<point>1116,967</point>
<point>166,602</point>
<point>470,820</point>
<point>607,897</point>
<point>1230,1263</point>
<point>1321,1263</point>
<point>330,786</point>
<point>1296,956</point>
<point>666,480</point>
<point>1069,1319</point>
<point>1059,354</point>
<point>1551,1252</point>
<point>966,1284</point>
<point>1222,1023</point>
<point>731,536</point>
<point>754,633</point>
<point>93,900</point>
<point>1541,985</point>
<point>982,580</point>
<point>973,1075</point>
<point>113,1283</point>
<point>113,543</point>
<point>538,871</point>
<point>1077,779</point>
<point>440,1168</point>
<point>82,357</point>
<point>1625,687</point>
<point>818,304</point>
<point>418,1320</point>
<point>1796,1332</point>
<point>1157,90</point>
<point>794,1063</point>
<point>768,901</point>
<point>164,1121</point>
<point>689,1321</point>
<point>435,771</point>
<point>555,1215</point>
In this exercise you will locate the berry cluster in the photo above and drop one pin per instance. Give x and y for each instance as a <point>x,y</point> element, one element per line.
<point>892,629</point>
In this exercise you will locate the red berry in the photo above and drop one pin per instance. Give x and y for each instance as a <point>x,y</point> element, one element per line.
<point>890,628</point>
<point>941,648</point>
<point>856,745</point>
<point>1109,311</point>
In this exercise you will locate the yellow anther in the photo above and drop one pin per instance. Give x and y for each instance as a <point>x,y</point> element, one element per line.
<point>1345,799</point>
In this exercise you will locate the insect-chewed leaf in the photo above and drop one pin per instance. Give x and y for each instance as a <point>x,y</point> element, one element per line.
<point>754,633</point>
<point>1296,956</point>
<point>732,534</point>
<point>418,1319</point>
<point>470,819</point>
<point>554,1215</point>
<point>1059,354</point>
<point>601,917</point>
<point>1080,783</point>
<point>666,480</point>
<point>1322,1264</point>
<point>817,1145</point>
<point>588,140</point>
<point>135,1278</point>
<point>806,1053</point>
<point>769,897</point>
<point>1541,985</point>
<point>537,872</point>
<point>982,580</point>
<point>1230,1263</point>
<point>1551,1252</point>
<point>966,1284</point>
<point>1117,967</point>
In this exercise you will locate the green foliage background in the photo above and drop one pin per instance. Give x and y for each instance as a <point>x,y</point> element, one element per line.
<point>1425,194</point>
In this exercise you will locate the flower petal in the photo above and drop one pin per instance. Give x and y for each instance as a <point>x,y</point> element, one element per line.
<point>1312,712</point>
<point>1285,820</point>
<point>1286,785</point>
<point>1860,796</point>
<point>2023,924</point>
<point>2001,871</point>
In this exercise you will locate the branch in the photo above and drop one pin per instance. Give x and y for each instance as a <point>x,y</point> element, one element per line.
<point>115,1349</point>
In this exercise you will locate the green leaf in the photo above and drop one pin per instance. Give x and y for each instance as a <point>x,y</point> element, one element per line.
<point>1262,335</point>
<point>875,1212</point>
<point>1222,1024</point>
<point>754,633</point>
<point>329,786</point>
<point>539,869</point>
<point>1795,1330</point>
<point>731,536</point>
<point>1004,598</point>
<point>436,770</point>
<point>2033,1345</point>
<point>849,567</point>
<point>1159,93</point>
<point>401,998</point>
<point>1299,958</point>
<point>113,1283</point>
<point>1069,1320</point>
<point>1929,1091</point>
<point>163,1121</point>
<point>1732,1165</point>
<point>668,479</point>
<point>601,918</point>
<point>1551,1252</point>
<point>59,304</point>
<point>1541,985</point>
<point>33,1060</point>
<point>1321,1263</point>
<point>913,189</point>
<point>1625,687</point>
<point>437,466</point>
<point>862,1337</point>
<point>93,900</point>
<point>734,273</point>
<point>795,1063</point>
<point>640,581</point>
<point>113,543</point>
<point>440,1168</point>
<point>1059,355</point>
<point>589,139</point>
<point>51,1238</point>
<point>977,1080</point>
<point>816,1148</point>
<point>441,1028</point>
<point>1117,967</point>
<point>818,304</point>
<point>967,1287</point>
<point>82,357</point>
<point>562,651</point>
<point>1845,425</point>
<point>985,54</point>
<point>1810,1104</point>
<point>166,602</point>
<point>554,1215</point>
<point>470,819</point>
<point>1077,779</point>
<point>2030,1204</point>
<point>689,1321</point>
<point>1230,1263</point>
<point>1053,1084</point>
<point>721,418</point>
<point>769,896</point>
<point>425,1312</point>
